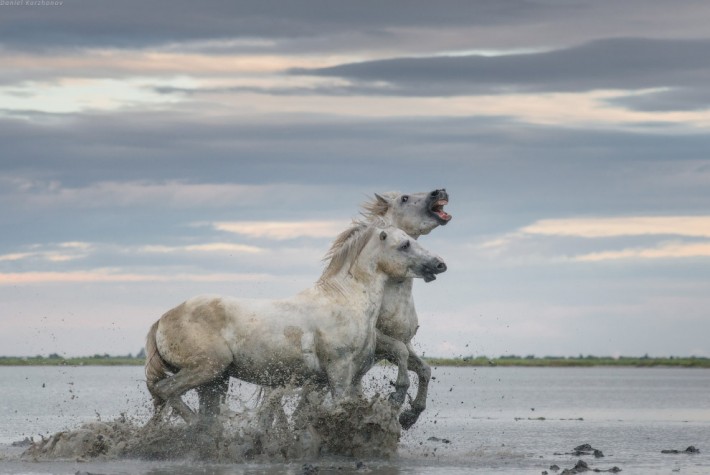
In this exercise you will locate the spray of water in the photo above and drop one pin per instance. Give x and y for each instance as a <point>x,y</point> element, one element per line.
<point>270,432</point>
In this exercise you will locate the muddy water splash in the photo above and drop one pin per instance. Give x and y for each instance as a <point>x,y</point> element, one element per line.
<point>359,428</point>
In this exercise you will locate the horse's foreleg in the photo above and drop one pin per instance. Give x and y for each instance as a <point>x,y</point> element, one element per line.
<point>397,353</point>
<point>341,378</point>
<point>312,396</point>
<point>270,407</point>
<point>423,370</point>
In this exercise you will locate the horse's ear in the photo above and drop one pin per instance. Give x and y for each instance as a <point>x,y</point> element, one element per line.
<point>383,236</point>
<point>383,200</point>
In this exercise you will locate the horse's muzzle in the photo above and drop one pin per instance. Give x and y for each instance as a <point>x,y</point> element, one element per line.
<point>436,201</point>
<point>439,195</point>
<point>433,267</point>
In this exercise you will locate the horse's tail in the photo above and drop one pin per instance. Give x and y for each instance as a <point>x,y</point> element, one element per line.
<point>155,367</point>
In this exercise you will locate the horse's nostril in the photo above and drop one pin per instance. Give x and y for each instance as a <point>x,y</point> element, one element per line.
<point>441,266</point>
<point>435,192</point>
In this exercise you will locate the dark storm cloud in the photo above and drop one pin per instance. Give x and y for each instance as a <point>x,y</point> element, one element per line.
<point>84,148</point>
<point>621,63</point>
<point>94,147</point>
<point>344,25</point>
<point>86,23</point>
<point>79,149</point>
<point>506,171</point>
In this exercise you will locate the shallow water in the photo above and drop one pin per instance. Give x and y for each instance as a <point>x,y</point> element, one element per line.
<point>496,420</point>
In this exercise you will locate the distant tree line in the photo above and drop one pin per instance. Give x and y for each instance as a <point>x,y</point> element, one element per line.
<point>581,360</point>
<point>105,359</point>
<point>55,359</point>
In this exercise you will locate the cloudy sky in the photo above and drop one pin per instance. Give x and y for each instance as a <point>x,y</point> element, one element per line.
<point>152,151</point>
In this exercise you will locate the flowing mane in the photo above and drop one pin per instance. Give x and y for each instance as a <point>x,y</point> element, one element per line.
<point>345,248</point>
<point>348,245</point>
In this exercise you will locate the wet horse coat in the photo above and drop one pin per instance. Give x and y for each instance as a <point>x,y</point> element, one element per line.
<point>397,322</point>
<point>325,334</point>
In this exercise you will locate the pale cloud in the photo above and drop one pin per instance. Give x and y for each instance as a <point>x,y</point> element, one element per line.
<point>62,252</point>
<point>209,247</point>
<point>692,226</point>
<point>282,230</point>
<point>589,109</point>
<point>607,227</point>
<point>112,276</point>
<point>68,251</point>
<point>107,62</point>
<point>111,80</point>
<point>554,239</point>
<point>132,193</point>
<point>676,250</point>
<point>76,245</point>
<point>78,95</point>
<point>59,257</point>
<point>16,256</point>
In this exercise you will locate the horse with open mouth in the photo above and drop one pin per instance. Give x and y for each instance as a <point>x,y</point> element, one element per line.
<point>324,335</point>
<point>397,323</point>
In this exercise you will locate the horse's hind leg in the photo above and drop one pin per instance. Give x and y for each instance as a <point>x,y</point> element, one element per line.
<point>172,388</point>
<point>395,352</point>
<point>212,395</point>
<point>423,370</point>
<point>158,407</point>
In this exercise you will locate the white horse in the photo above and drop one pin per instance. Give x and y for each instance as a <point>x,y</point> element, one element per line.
<point>397,322</point>
<point>324,335</point>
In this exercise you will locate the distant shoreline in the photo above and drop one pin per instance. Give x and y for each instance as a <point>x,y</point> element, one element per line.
<point>481,361</point>
<point>579,361</point>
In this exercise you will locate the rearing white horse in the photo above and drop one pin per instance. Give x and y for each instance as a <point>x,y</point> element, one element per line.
<point>397,323</point>
<point>325,334</point>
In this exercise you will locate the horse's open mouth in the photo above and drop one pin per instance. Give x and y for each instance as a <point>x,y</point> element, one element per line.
<point>429,277</point>
<point>437,209</point>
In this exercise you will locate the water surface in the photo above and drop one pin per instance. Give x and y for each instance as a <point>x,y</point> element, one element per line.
<point>496,420</point>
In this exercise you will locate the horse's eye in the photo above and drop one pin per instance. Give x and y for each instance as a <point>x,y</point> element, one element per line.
<point>404,246</point>
<point>405,198</point>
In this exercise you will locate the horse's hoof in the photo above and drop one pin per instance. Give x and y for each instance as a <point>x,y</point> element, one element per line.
<point>408,418</point>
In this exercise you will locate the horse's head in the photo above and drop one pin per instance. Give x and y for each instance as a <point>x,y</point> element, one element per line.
<point>400,256</point>
<point>370,247</point>
<point>414,213</point>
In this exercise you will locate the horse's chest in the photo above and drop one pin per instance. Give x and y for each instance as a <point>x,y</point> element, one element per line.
<point>398,321</point>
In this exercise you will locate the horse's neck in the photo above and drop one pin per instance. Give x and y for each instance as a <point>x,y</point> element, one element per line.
<point>397,302</point>
<point>389,218</point>
<point>399,285</point>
